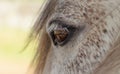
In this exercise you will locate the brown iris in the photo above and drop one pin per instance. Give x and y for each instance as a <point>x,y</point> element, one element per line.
<point>60,34</point>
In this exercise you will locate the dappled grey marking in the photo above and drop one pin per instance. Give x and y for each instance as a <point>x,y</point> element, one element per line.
<point>88,48</point>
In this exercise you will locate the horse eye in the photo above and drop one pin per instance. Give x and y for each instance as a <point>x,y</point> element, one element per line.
<point>60,33</point>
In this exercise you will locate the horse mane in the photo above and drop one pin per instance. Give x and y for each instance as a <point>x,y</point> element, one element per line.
<point>39,35</point>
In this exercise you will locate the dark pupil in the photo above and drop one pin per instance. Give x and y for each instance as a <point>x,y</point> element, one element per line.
<point>60,34</point>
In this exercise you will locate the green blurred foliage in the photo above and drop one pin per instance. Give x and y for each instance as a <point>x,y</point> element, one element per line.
<point>12,41</point>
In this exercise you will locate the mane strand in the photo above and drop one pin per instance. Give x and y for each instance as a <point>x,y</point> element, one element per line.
<point>39,35</point>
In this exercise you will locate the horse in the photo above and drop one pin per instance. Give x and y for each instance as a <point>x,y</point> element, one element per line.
<point>77,37</point>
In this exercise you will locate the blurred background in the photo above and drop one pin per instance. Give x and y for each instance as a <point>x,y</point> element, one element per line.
<point>16,19</point>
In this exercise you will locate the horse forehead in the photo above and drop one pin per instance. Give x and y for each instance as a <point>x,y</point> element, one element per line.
<point>69,8</point>
<point>79,11</point>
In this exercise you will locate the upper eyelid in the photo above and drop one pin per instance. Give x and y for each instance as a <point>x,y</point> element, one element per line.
<point>78,24</point>
<point>62,22</point>
<point>55,23</point>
